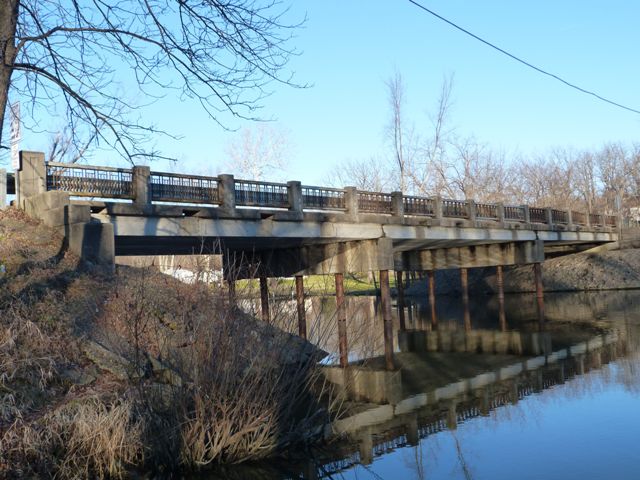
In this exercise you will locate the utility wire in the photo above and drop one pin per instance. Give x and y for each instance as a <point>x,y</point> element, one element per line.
<point>517,59</point>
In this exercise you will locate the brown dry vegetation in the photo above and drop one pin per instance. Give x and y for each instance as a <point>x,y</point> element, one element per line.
<point>101,375</point>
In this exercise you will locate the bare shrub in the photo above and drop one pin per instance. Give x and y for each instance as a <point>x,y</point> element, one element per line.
<point>225,387</point>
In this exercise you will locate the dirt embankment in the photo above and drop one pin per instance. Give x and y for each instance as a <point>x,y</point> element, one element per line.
<point>103,374</point>
<point>595,270</point>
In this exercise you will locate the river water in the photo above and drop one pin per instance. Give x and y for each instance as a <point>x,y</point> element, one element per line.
<point>561,401</point>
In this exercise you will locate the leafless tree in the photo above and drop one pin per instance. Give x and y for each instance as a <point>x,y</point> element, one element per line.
<point>613,167</point>
<point>369,175</point>
<point>401,135</point>
<point>96,59</point>
<point>258,152</point>
<point>431,176</point>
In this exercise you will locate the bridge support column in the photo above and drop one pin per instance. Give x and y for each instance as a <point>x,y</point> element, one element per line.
<point>400,289</point>
<point>537,271</point>
<point>302,317</point>
<point>264,299</point>
<point>500,282</point>
<point>464,282</point>
<point>385,294</point>
<point>341,313</point>
<point>431,278</point>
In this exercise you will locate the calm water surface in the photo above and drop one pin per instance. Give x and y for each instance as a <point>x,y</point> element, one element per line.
<point>565,405</point>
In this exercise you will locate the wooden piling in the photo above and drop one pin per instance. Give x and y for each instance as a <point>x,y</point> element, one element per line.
<point>385,294</point>
<point>501,314</point>
<point>400,289</point>
<point>302,316</point>
<point>341,312</point>
<point>537,270</point>
<point>432,298</point>
<point>264,299</point>
<point>464,282</point>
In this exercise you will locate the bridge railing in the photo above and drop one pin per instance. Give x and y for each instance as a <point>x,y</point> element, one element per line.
<point>251,193</point>
<point>579,218</point>
<point>455,208</point>
<point>144,186</point>
<point>559,216</point>
<point>375,202</point>
<point>513,213</point>
<point>323,198</point>
<point>174,187</point>
<point>89,181</point>
<point>487,211</point>
<point>419,206</point>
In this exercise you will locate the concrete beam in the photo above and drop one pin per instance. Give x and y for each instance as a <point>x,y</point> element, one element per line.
<point>470,257</point>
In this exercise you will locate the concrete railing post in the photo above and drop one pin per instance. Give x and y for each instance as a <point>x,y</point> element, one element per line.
<point>227,192</point>
<point>527,214</point>
<point>570,225</point>
<point>31,177</point>
<point>351,201</point>
<point>397,204</point>
<point>500,212</point>
<point>294,190</point>
<point>549,215</point>
<point>3,188</point>
<point>471,210</point>
<point>141,185</point>
<point>437,206</point>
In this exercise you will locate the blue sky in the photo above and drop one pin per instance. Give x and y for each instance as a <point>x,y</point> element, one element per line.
<point>348,50</point>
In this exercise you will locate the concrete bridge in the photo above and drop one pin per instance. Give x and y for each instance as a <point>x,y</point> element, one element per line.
<point>288,229</point>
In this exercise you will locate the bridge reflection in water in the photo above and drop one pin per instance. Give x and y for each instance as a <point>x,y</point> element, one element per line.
<point>464,374</point>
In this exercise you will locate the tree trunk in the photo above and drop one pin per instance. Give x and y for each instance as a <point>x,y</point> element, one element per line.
<point>8,24</point>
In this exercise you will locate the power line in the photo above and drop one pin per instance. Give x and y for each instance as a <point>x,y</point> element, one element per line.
<point>524,62</point>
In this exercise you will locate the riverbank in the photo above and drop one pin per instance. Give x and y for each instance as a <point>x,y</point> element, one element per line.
<point>597,269</point>
<point>102,374</point>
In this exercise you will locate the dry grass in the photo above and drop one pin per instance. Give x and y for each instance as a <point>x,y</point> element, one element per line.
<point>217,386</point>
<point>89,439</point>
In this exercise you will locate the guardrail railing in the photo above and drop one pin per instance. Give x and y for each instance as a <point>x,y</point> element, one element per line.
<point>579,218</point>
<point>323,198</point>
<point>419,206</point>
<point>513,213</point>
<point>537,215</point>
<point>175,187</point>
<point>559,216</point>
<point>88,181</point>
<point>142,185</point>
<point>487,211</point>
<point>455,208</point>
<point>375,202</point>
<point>251,193</point>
